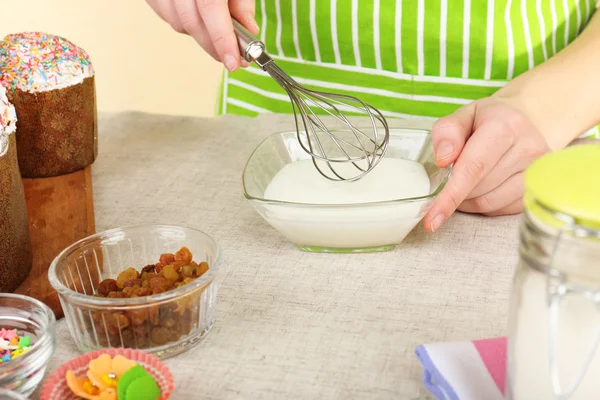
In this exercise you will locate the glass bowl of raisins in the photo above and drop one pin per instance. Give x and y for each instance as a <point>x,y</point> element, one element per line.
<point>146,287</point>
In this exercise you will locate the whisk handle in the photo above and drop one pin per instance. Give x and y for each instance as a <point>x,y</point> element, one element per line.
<point>251,47</point>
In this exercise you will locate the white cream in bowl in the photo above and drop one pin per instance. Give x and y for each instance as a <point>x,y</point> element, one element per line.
<point>349,216</point>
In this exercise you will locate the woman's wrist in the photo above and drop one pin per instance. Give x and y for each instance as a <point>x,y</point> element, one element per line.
<point>517,94</point>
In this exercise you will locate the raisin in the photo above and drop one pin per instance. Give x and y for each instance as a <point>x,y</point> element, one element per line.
<point>188,280</point>
<point>142,339</point>
<point>143,292</point>
<point>138,317</point>
<point>97,316</point>
<point>169,273</point>
<point>161,335</point>
<point>128,339</point>
<point>184,254</point>
<point>168,318</point>
<point>113,332</point>
<point>126,275</point>
<point>119,320</point>
<point>132,283</point>
<point>107,286</point>
<point>148,268</point>
<point>161,283</point>
<point>148,275</point>
<point>177,265</point>
<point>167,258</point>
<point>202,268</point>
<point>187,271</point>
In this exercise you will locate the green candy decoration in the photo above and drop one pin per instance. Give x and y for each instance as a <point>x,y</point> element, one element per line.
<point>137,384</point>
<point>24,341</point>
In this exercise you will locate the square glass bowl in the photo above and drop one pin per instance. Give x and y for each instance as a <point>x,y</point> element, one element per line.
<point>163,324</point>
<point>342,228</point>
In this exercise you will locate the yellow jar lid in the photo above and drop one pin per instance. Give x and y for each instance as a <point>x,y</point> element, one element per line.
<point>565,182</point>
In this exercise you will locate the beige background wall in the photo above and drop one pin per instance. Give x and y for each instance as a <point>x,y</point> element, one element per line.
<point>141,64</point>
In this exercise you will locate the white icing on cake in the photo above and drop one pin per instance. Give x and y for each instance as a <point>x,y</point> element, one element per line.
<point>39,62</point>
<point>8,121</point>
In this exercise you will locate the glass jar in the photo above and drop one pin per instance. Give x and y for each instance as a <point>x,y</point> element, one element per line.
<point>554,316</point>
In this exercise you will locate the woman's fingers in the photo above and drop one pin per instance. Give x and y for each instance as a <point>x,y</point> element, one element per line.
<point>155,6</point>
<point>516,207</point>
<point>502,196</point>
<point>481,153</point>
<point>217,20</point>
<point>193,25</point>
<point>209,23</point>
<point>449,134</point>
<point>244,11</point>
<point>166,10</point>
<point>518,158</point>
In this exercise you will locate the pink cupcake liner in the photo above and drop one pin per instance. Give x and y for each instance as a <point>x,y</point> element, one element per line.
<point>55,387</point>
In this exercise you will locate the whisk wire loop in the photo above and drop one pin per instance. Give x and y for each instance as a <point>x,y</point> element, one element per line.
<point>330,148</point>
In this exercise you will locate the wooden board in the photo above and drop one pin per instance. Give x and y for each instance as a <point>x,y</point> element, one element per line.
<point>61,211</point>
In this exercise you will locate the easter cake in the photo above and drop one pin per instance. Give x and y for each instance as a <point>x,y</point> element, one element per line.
<point>15,244</point>
<point>50,82</point>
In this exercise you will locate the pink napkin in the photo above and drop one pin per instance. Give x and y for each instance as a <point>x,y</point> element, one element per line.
<point>474,370</point>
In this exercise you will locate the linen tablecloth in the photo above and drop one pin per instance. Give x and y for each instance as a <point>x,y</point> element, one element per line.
<point>294,325</point>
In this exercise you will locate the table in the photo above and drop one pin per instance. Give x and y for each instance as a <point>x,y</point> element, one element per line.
<point>294,325</point>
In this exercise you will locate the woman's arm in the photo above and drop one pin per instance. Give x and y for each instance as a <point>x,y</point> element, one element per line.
<point>492,141</point>
<point>561,97</point>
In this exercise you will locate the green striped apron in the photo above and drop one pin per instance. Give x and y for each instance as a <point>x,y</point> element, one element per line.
<point>409,59</point>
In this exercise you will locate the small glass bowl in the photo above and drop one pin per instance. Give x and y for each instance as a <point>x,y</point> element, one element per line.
<point>23,374</point>
<point>164,324</point>
<point>342,228</point>
<point>10,395</point>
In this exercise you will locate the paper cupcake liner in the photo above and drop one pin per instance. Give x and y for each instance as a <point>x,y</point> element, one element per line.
<point>57,130</point>
<point>55,387</point>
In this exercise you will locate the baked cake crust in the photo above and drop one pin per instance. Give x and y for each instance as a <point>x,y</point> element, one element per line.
<point>51,84</point>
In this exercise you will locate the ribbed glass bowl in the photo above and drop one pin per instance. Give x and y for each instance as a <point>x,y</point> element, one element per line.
<point>365,227</point>
<point>32,317</point>
<point>164,324</point>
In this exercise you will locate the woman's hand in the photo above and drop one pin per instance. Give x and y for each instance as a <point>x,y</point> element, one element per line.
<point>209,23</point>
<point>491,143</point>
<point>493,140</point>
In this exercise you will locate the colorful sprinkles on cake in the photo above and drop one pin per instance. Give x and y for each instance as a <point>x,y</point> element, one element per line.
<point>38,62</point>
<point>13,344</point>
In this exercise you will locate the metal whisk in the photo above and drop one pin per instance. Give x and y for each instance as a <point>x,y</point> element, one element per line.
<point>340,151</point>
